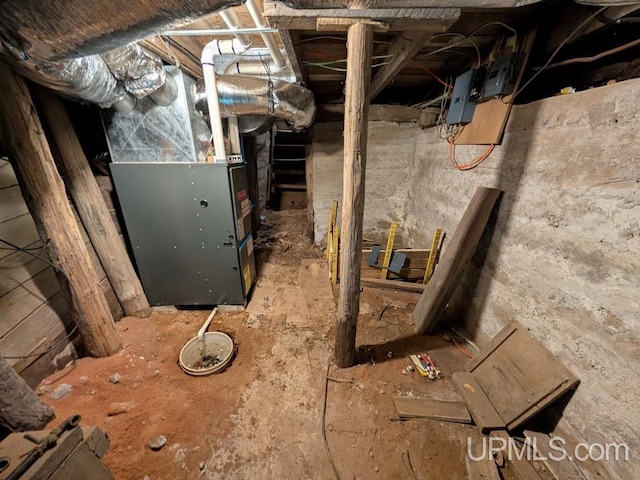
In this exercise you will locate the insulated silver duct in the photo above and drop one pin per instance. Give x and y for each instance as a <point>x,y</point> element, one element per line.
<point>64,29</point>
<point>58,44</point>
<point>86,78</point>
<point>251,96</point>
<point>101,79</point>
<point>140,71</point>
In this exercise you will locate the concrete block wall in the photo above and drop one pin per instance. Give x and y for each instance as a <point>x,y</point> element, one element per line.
<point>563,257</point>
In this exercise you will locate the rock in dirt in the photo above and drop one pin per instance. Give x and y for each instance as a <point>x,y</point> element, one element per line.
<point>157,443</point>
<point>115,378</point>
<point>201,466</point>
<point>61,391</point>
<point>117,408</point>
<point>42,389</point>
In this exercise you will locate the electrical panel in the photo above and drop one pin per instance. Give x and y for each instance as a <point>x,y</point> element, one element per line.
<point>462,106</point>
<point>502,75</point>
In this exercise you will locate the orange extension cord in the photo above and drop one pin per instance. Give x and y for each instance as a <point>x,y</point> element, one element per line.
<point>471,165</point>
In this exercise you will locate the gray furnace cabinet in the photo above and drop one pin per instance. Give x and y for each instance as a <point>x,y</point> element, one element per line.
<point>189,225</point>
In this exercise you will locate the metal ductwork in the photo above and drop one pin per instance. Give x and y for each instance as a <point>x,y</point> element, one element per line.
<point>83,49</point>
<point>115,78</point>
<point>65,29</point>
<point>253,96</point>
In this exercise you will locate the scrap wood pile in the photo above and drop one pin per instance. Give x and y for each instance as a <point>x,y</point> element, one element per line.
<point>504,386</point>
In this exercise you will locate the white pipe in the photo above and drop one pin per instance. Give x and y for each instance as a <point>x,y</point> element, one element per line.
<point>234,135</point>
<point>233,22</point>
<point>268,38</point>
<point>207,32</point>
<point>250,68</point>
<point>211,49</point>
<point>211,87</point>
<point>203,330</point>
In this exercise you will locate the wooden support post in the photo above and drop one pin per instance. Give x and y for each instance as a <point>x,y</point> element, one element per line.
<point>20,408</point>
<point>454,260</point>
<point>44,190</point>
<point>359,51</point>
<point>93,211</point>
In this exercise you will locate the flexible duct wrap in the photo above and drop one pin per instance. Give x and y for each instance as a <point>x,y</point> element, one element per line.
<point>102,79</point>
<point>141,72</point>
<point>243,96</point>
<point>86,78</point>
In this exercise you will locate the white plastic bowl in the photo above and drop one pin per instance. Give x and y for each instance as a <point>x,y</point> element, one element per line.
<point>218,344</point>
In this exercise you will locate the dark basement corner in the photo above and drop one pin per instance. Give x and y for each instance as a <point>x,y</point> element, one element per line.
<point>319,239</point>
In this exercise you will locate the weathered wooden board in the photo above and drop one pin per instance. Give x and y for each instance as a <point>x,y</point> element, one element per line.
<point>96,440</point>
<point>519,466</point>
<point>482,412</point>
<point>520,376</point>
<point>15,446</point>
<point>484,469</point>
<point>409,407</point>
<point>12,203</point>
<point>80,464</point>
<point>280,15</point>
<point>20,231</point>
<point>33,313</point>
<point>23,300</point>
<point>454,259</point>
<point>565,469</point>
<point>7,176</point>
<point>393,285</point>
<point>18,267</point>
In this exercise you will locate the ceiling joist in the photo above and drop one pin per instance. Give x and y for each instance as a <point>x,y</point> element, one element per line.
<point>401,52</point>
<point>398,19</point>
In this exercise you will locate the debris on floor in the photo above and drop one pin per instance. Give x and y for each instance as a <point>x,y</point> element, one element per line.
<point>426,367</point>
<point>222,426</point>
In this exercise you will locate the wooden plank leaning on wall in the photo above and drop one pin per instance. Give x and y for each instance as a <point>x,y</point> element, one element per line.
<point>45,195</point>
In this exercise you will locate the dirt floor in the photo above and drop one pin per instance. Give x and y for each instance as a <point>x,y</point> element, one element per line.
<point>263,417</point>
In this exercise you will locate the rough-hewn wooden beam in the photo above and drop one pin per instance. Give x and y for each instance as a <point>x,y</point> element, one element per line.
<point>93,211</point>
<point>404,47</point>
<point>41,184</point>
<point>432,19</point>
<point>359,52</point>
<point>405,4</point>
<point>20,408</point>
<point>289,48</point>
